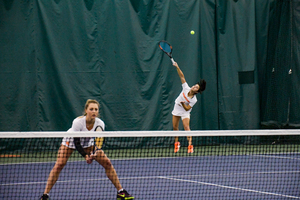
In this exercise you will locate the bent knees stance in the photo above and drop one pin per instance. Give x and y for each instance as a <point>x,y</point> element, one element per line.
<point>59,166</point>
<point>107,164</point>
<point>103,160</point>
<point>62,158</point>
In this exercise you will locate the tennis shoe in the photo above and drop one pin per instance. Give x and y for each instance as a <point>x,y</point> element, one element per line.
<point>190,149</point>
<point>45,197</point>
<point>177,146</point>
<point>123,195</point>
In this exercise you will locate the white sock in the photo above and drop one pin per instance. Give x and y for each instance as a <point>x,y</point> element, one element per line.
<point>120,190</point>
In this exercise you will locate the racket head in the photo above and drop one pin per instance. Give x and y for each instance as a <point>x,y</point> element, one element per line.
<point>98,128</point>
<point>98,141</point>
<point>165,47</point>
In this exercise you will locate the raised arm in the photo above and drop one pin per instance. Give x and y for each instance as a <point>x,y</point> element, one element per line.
<point>181,76</point>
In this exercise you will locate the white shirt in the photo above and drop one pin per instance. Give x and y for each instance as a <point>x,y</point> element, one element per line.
<point>183,97</point>
<point>79,124</point>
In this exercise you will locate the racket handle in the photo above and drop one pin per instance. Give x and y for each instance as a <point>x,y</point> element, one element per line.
<point>172,61</point>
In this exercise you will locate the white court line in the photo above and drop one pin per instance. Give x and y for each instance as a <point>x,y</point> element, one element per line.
<point>146,158</point>
<point>154,177</point>
<point>283,157</point>
<point>229,187</point>
<point>230,174</point>
<point>79,180</point>
<point>112,159</point>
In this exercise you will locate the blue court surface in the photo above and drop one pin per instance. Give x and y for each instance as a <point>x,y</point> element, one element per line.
<point>273,176</point>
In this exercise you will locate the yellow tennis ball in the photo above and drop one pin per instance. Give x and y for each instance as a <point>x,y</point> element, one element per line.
<point>192,32</point>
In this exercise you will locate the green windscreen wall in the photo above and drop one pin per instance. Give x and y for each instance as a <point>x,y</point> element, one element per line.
<point>280,100</point>
<point>56,54</point>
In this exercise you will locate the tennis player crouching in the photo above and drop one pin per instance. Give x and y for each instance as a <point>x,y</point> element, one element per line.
<point>183,106</point>
<point>85,146</point>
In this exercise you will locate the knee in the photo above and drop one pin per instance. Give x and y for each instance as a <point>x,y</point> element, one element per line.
<point>175,127</point>
<point>59,166</point>
<point>107,164</point>
<point>186,127</point>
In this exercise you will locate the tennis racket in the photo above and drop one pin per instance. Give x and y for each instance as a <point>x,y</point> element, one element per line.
<point>98,141</point>
<point>166,48</point>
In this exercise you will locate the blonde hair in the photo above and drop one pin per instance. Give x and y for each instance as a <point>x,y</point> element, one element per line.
<point>88,102</point>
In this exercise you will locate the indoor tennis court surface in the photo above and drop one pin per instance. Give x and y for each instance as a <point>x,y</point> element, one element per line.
<point>272,176</point>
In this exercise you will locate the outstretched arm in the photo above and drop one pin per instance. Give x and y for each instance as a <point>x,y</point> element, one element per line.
<point>181,76</point>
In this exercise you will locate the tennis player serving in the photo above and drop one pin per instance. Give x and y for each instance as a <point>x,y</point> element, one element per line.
<point>183,106</point>
<point>85,146</point>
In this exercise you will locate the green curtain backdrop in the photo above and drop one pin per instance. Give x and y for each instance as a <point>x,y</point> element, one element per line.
<point>56,54</point>
<point>239,105</point>
<point>280,86</point>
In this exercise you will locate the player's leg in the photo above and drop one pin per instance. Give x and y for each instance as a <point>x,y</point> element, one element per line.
<point>62,157</point>
<point>111,173</point>
<point>175,121</point>
<point>186,126</point>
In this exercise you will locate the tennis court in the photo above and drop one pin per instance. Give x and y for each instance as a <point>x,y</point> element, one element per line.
<point>222,171</point>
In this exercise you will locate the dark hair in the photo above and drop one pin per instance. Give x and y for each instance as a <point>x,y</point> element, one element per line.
<point>202,84</point>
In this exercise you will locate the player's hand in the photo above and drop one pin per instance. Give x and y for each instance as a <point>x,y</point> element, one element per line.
<point>89,159</point>
<point>93,155</point>
<point>175,64</point>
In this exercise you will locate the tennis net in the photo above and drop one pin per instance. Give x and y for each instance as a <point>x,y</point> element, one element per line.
<point>234,164</point>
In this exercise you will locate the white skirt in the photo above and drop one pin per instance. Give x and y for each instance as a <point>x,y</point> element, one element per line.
<point>85,142</point>
<point>178,110</point>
